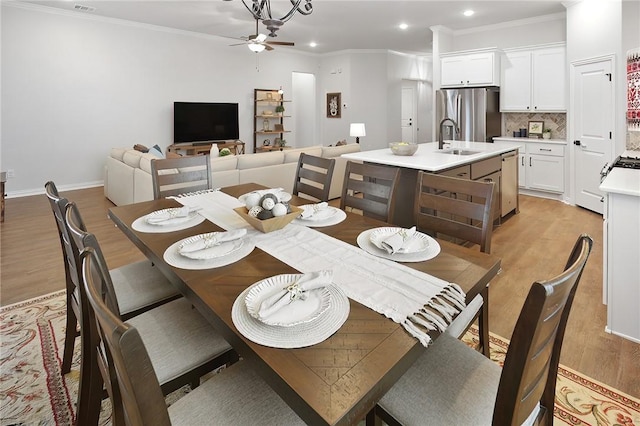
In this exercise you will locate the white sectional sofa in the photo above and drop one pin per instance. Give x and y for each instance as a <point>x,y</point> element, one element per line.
<point>127,172</point>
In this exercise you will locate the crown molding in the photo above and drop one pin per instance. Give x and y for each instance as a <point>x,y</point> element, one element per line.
<point>511,24</point>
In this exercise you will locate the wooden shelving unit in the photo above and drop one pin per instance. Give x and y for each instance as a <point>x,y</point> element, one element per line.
<point>268,125</point>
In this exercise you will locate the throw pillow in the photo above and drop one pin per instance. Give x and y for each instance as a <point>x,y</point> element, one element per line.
<point>141,148</point>
<point>156,152</point>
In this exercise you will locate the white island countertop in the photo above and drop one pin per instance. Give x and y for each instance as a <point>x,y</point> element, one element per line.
<point>621,180</point>
<point>429,158</point>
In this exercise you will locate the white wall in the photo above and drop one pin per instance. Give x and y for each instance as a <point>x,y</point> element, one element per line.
<point>74,87</point>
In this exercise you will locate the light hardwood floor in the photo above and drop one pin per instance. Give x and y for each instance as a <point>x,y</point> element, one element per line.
<point>533,245</point>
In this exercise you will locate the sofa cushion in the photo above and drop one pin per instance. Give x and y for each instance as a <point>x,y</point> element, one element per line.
<point>252,161</point>
<point>228,162</point>
<point>118,153</point>
<point>145,161</point>
<point>291,156</point>
<point>337,151</point>
<point>132,158</point>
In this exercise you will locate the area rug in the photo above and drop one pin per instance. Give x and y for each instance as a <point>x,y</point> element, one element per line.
<point>34,392</point>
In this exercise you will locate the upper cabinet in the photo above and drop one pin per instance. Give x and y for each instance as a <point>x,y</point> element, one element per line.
<point>471,69</point>
<point>533,80</point>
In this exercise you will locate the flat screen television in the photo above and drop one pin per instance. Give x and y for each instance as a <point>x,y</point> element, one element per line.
<point>202,122</point>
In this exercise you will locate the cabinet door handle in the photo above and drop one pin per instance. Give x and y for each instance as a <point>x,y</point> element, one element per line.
<point>523,160</point>
<point>545,149</point>
<point>488,180</point>
<point>461,174</point>
<point>529,161</point>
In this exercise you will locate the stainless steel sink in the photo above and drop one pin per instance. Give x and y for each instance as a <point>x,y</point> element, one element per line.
<point>457,151</point>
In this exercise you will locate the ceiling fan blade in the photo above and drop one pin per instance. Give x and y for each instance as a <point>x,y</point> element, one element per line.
<point>238,44</point>
<point>267,47</point>
<point>281,43</point>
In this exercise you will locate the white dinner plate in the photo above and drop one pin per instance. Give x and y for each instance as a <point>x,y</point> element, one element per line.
<point>416,243</point>
<point>175,259</point>
<point>141,225</point>
<point>364,242</point>
<point>297,312</point>
<point>334,218</point>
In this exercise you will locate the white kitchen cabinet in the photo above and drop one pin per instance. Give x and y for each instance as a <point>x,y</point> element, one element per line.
<point>470,69</point>
<point>533,80</point>
<point>621,252</point>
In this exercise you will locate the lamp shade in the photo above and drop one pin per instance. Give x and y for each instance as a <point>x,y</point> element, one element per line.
<point>256,47</point>
<point>357,130</point>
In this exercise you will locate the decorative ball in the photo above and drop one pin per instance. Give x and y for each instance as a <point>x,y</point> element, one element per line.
<point>252,199</point>
<point>284,197</point>
<point>279,210</point>
<point>265,214</point>
<point>268,201</point>
<point>255,211</point>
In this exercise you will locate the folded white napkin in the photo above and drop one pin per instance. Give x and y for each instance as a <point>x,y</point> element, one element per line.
<point>210,240</point>
<point>400,240</point>
<point>294,292</point>
<point>168,216</point>
<point>315,211</point>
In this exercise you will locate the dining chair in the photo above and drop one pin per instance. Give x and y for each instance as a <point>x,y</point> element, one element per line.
<point>175,176</point>
<point>452,384</point>
<point>182,345</point>
<point>140,285</point>
<point>370,188</point>
<point>236,395</point>
<point>313,176</point>
<point>462,209</point>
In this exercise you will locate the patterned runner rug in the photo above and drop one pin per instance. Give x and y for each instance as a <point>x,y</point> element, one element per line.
<point>34,392</point>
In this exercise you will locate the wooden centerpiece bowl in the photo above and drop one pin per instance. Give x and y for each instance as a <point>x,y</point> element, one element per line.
<point>269,225</point>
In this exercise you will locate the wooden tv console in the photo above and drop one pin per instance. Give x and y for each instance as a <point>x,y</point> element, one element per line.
<point>236,147</point>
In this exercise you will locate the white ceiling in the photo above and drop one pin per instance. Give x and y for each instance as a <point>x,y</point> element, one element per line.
<point>334,24</point>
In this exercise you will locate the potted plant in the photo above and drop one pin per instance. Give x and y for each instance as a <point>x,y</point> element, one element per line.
<point>546,133</point>
<point>280,109</point>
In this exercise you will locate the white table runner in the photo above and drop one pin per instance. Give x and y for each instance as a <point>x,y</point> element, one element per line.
<point>416,300</point>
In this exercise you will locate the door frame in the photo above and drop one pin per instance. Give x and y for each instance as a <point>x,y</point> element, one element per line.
<point>571,135</point>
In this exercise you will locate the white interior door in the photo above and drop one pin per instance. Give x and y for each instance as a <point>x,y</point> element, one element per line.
<point>409,112</point>
<point>303,109</point>
<point>593,130</point>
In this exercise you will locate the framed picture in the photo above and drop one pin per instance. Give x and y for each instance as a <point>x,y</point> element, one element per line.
<point>278,128</point>
<point>334,105</point>
<point>269,96</point>
<point>535,128</point>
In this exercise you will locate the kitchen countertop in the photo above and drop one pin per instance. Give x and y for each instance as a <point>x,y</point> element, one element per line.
<point>621,180</point>
<point>428,158</point>
<point>529,140</point>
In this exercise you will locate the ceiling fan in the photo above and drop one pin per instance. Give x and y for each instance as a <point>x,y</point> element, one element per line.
<point>258,42</point>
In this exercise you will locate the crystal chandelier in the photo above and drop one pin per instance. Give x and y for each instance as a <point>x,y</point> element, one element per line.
<point>261,10</point>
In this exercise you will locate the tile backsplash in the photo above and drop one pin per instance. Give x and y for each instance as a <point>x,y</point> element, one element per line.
<point>633,140</point>
<point>513,122</point>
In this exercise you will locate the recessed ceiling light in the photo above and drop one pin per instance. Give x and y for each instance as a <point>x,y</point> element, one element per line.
<point>403,26</point>
<point>468,12</point>
<point>313,44</point>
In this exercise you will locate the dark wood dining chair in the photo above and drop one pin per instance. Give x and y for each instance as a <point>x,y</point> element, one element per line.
<point>313,177</point>
<point>140,285</point>
<point>462,209</point>
<point>234,396</point>
<point>452,384</point>
<point>370,188</point>
<point>175,176</point>
<point>182,344</point>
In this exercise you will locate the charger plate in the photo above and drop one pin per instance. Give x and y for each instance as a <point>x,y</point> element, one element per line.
<point>141,225</point>
<point>364,242</point>
<point>334,218</point>
<point>175,259</point>
<point>297,312</point>
<point>297,336</point>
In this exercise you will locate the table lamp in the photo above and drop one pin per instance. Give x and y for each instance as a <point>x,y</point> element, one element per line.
<point>357,130</point>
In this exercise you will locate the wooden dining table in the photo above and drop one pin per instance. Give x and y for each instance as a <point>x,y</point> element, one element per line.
<point>338,381</point>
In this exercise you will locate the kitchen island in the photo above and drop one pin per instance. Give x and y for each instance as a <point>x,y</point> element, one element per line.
<point>496,162</point>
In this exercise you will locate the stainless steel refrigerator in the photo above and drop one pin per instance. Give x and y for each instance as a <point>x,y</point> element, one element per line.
<point>475,110</point>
